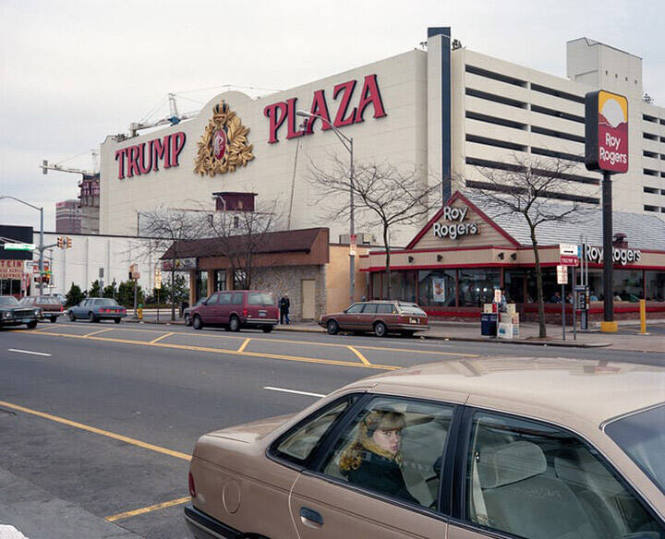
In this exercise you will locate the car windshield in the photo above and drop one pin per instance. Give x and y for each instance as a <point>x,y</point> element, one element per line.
<point>8,300</point>
<point>642,438</point>
<point>411,309</point>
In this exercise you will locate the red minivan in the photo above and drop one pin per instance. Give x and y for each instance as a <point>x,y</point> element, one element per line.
<point>235,309</point>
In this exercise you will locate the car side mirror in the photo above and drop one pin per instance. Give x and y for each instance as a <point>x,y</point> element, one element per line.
<point>204,302</point>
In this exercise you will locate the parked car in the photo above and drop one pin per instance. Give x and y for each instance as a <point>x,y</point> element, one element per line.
<point>96,309</point>
<point>379,317</point>
<point>235,309</point>
<point>12,313</point>
<point>506,447</point>
<point>50,306</point>
<point>187,312</point>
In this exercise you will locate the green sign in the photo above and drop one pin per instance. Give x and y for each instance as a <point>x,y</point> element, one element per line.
<point>19,246</point>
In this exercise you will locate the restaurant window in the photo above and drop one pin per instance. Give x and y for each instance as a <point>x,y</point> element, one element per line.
<point>551,289</point>
<point>514,284</point>
<point>476,286</point>
<point>628,285</point>
<point>437,288</point>
<point>655,281</point>
<point>239,279</point>
<point>201,284</point>
<point>220,280</point>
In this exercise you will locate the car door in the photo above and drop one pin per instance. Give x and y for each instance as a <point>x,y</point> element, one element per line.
<point>210,312</point>
<point>526,478</point>
<point>367,316</point>
<point>224,307</point>
<point>350,319</point>
<point>80,310</point>
<point>335,499</point>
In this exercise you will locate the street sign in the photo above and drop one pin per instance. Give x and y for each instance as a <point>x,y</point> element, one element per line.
<point>568,249</point>
<point>19,246</point>
<point>562,275</point>
<point>569,260</point>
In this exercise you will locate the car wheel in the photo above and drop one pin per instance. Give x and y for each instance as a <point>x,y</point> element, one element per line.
<point>266,329</point>
<point>380,329</point>
<point>91,317</point>
<point>32,325</point>
<point>116,320</point>
<point>332,327</point>
<point>72,317</point>
<point>188,320</point>
<point>54,319</point>
<point>197,323</point>
<point>234,324</point>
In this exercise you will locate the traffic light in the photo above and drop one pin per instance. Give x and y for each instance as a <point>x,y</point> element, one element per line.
<point>69,242</point>
<point>60,242</point>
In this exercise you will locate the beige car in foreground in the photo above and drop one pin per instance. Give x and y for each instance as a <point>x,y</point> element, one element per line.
<point>506,447</point>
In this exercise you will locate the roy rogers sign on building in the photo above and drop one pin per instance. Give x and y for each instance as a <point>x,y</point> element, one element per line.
<point>345,97</point>
<point>454,226</point>
<point>606,131</point>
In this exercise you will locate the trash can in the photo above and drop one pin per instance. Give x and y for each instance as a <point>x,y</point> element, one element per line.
<point>488,322</point>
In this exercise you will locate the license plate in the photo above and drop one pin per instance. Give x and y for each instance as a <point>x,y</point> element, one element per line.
<point>414,320</point>
<point>262,313</point>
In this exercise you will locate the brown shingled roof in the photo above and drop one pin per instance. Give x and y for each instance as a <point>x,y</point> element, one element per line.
<point>287,241</point>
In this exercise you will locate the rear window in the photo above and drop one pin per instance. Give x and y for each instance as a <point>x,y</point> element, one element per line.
<point>411,309</point>
<point>106,302</point>
<point>260,298</point>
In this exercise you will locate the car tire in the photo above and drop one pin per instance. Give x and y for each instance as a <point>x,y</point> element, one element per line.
<point>267,329</point>
<point>91,317</point>
<point>116,320</point>
<point>197,323</point>
<point>72,318</point>
<point>54,319</point>
<point>380,329</point>
<point>188,320</point>
<point>332,327</point>
<point>32,325</point>
<point>234,324</point>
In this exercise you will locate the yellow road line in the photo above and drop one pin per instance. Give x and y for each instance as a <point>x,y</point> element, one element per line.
<point>97,332</point>
<point>230,352</point>
<point>457,354</point>
<point>162,337</point>
<point>126,439</point>
<point>143,510</point>
<point>360,356</point>
<point>244,345</point>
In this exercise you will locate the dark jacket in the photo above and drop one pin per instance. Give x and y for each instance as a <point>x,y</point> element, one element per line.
<point>284,304</point>
<point>381,475</point>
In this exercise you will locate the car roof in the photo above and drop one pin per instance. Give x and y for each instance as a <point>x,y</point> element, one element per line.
<point>596,390</point>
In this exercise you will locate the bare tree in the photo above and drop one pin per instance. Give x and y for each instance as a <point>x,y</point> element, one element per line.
<point>526,188</point>
<point>384,196</point>
<point>169,230</point>
<point>240,236</point>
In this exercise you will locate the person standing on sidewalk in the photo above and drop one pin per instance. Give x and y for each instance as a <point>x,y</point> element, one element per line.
<point>284,305</point>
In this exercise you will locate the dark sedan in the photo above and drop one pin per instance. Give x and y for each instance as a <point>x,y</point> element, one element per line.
<point>13,314</point>
<point>96,309</point>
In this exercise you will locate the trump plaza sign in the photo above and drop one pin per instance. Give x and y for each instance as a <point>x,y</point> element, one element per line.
<point>606,132</point>
<point>145,157</point>
<point>345,113</point>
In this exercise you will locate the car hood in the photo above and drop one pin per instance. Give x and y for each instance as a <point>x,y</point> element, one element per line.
<point>251,432</point>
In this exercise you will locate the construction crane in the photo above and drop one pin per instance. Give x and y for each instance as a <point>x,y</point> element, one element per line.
<point>173,118</point>
<point>86,173</point>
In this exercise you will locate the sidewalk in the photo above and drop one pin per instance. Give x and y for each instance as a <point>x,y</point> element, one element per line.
<point>628,337</point>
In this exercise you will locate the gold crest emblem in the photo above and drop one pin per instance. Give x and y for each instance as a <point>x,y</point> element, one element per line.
<point>223,146</point>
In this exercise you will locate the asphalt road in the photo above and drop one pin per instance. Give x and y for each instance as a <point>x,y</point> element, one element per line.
<point>97,421</point>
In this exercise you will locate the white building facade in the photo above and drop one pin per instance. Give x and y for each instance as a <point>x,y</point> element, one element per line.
<point>449,114</point>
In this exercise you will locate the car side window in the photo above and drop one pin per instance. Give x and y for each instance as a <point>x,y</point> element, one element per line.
<point>385,308</point>
<point>225,298</point>
<point>237,298</point>
<point>355,308</point>
<point>213,300</point>
<point>536,480</point>
<point>370,308</point>
<point>299,444</point>
<point>394,447</point>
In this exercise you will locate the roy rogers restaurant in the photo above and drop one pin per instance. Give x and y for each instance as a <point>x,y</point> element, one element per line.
<point>453,264</point>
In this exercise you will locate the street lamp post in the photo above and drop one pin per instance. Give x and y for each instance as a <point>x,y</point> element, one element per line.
<point>347,142</point>
<point>41,239</point>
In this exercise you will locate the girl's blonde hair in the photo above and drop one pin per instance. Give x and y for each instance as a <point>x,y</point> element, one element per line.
<point>352,455</point>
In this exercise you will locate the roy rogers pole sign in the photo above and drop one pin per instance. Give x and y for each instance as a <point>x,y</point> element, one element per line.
<point>606,132</point>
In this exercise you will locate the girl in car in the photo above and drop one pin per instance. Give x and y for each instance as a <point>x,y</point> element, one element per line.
<point>372,460</point>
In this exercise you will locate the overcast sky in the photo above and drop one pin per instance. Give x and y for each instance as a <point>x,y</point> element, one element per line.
<point>74,72</point>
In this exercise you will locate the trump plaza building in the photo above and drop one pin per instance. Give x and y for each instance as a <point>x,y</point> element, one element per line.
<point>446,112</point>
